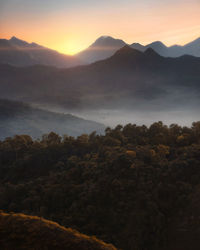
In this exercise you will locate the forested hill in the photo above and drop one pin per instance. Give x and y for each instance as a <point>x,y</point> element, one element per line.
<point>135,187</point>
<point>19,231</point>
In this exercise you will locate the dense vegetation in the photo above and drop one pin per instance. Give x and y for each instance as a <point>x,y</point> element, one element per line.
<point>135,187</point>
<point>19,231</point>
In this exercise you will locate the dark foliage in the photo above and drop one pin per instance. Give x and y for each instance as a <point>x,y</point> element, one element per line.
<point>135,187</point>
<point>19,231</point>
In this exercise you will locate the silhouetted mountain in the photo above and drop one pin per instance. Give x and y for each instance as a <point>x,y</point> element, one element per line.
<point>103,47</point>
<point>192,48</point>
<point>20,53</point>
<point>106,46</point>
<point>128,79</point>
<point>20,118</point>
<point>12,55</point>
<point>20,231</point>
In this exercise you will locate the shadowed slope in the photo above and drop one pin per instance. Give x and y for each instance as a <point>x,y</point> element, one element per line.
<point>19,231</point>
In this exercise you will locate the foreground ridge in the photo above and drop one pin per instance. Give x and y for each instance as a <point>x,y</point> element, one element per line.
<point>19,231</point>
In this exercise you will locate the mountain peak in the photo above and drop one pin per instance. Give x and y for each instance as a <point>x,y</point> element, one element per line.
<point>127,50</point>
<point>157,43</point>
<point>108,41</point>
<point>151,52</point>
<point>18,42</point>
<point>14,38</point>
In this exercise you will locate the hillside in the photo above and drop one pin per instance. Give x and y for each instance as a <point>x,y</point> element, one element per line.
<point>129,79</point>
<point>136,187</point>
<point>21,118</point>
<point>19,231</point>
<point>20,53</point>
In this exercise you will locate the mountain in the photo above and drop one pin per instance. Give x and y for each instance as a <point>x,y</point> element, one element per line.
<point>12,55</point>
<point>106,46</point>
<point>20,231</point>
<point>129,79</point>
<point>20,118</point>
<point>103,47</point>
<point>192,48</point>
<point>20,53</point>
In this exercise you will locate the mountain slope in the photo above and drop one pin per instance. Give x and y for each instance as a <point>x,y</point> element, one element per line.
<point>20,53</point>
<point>103,47</point>
<point>128,79</point>
<point>20,118</point>
<point>106,46</point>
<point>192,48</point>
<point>19,231</point>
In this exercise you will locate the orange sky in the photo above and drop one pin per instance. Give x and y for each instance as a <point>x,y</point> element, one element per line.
<point>72,26</point>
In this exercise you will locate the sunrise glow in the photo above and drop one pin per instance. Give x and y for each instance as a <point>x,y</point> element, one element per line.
<point>72,27</point>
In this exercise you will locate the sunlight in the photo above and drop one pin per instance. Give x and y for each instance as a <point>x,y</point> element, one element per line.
<point>70,47</point>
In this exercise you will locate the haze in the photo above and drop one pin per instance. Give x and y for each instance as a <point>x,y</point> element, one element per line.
<point>71,26</point>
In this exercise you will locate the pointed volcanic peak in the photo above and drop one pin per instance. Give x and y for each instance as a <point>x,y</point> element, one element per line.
<point>102,48</point>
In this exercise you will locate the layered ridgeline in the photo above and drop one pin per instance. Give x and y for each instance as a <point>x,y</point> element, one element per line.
<point>135,186</point>
<point>106,46</point>
<point>20,53</point>
<point>21,118</point>
<point>129,79</point>
<point>19,231</point>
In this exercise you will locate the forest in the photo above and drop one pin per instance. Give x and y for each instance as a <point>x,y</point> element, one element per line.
<point>136,187</point>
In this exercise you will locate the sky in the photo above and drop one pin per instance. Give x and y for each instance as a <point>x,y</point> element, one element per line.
<point>71,26</point>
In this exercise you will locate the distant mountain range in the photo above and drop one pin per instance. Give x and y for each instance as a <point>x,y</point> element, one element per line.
<point>106,46</point>
<point>20,53</point>
<point>21,118</point>
<point>129,79</point>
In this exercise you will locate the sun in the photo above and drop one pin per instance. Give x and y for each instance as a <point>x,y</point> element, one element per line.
<point>70,47</point>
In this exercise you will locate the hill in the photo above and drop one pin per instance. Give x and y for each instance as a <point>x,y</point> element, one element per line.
<point>19,231</point>
<point>136,187</point>
<point>20,53</point>
<point>21,118</point>
<point>129,79</point>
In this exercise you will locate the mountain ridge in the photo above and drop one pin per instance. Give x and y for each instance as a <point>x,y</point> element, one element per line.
<point>129,78</point>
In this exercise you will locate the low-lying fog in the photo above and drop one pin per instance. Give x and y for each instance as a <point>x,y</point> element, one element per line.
<point>114,117</point>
